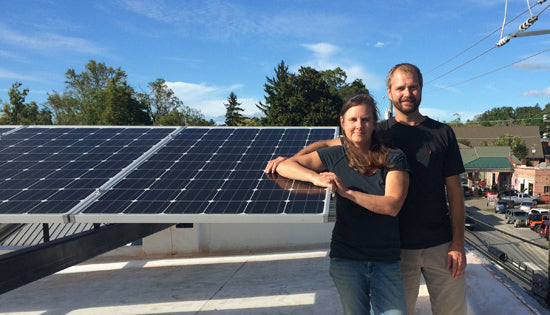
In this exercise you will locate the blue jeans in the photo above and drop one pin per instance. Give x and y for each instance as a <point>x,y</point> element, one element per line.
<point>361,284</point>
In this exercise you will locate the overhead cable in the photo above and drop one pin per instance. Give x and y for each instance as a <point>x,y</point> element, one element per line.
<point>484,38</point>
<point>495,70</point>
<point>524,26</point>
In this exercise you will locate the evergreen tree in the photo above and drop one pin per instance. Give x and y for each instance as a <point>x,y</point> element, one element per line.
<point>279,90</point>
<point>309,98</point>
<point>233,116</point>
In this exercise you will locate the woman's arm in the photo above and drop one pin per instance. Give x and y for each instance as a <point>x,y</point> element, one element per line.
<point>271,166</point>
<point>305,168</point>
<point>397,185</point>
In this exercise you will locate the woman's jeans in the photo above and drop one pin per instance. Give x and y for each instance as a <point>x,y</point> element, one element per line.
<point>361,284</point>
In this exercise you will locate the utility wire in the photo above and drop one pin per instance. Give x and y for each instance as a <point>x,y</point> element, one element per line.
<point>444,74</point>
<point>495,70</point>
<point>505,12</point>
<point>479,41</point>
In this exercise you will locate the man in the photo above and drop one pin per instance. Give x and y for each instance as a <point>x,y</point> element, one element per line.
<point>432,233</point>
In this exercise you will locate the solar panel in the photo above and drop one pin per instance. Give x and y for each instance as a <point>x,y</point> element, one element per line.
<point>214,174</point>
<point>46,171</point>
<point>4,129</point>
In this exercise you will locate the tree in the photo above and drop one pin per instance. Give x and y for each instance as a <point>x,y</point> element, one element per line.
<point>233,116</point>
<point>99,95</point>
<point>308,98</point>
<point>279,90</point>
<point>313,103</point>
<point>336,80</point>
<point>519,149</point>
<point>184,116</point>
<point>17,112</point>
<point>161,100</point>
<point>455,122</point>
<point>65,108</point>
<point>496,117</point>
<point>348,90</point>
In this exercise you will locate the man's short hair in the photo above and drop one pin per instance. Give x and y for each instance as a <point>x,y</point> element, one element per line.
<point>405,67</point>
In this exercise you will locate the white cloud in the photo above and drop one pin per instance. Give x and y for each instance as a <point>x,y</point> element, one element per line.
<point>46,41</point>
<point>322,50</point>
<point>532,66</point>
<point>13,56</point>
<point>326,56</point>
<point>545,92</point>
<point>379,44</point>
<point>210,99</point>
<point>16,76</point>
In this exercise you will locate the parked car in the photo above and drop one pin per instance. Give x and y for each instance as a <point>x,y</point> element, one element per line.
<point>470,223</point>
<point>503,205</point>
<point>538,211</point>
<point>505,193</point>
<point>536,219</point>
<point>511,213</point>
<point>520,197</point>
<point>543,230</point>
<point>526,206</point>
<point>520,218</point>
<point>490,193</point>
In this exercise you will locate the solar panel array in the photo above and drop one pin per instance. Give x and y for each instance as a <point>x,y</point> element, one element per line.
<point>154,174</point>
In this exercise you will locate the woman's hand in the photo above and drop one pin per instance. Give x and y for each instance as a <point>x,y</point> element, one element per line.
<point>324,179</point>
<point>340,187</point>
<point>336,183</point>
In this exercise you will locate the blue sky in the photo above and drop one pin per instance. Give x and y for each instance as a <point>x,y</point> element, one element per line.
<point>206,49</point>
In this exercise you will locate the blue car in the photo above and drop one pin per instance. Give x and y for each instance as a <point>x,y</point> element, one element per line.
<point>503,205</point>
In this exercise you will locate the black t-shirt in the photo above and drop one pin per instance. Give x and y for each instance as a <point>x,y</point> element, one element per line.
<point>359,233</point>
<point>432,152</point>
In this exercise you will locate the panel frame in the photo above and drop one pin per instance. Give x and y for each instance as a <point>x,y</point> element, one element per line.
<point>65,216</point>
<point>322,217</point>
<point>76,215</point>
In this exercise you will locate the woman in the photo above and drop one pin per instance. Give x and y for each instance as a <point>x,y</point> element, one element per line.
<point>371,181</point>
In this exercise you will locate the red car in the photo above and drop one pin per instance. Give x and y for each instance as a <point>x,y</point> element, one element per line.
<point>490,193</point>
<point>543,229</point>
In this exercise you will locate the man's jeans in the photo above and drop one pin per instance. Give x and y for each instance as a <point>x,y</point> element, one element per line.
<point>361,284</point>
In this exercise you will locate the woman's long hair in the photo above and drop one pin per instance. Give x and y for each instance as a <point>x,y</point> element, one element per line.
<point>376,156</point>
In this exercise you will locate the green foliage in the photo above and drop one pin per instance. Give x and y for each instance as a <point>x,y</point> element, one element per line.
<point>519,149</point>
<point>65,107</point>
<point>465,142</point>
<point>309,98</point>
<point>184,116</point>
<point>161,101</point>
<point>17,112</point>
<point>99,95</point>
<point>233,116</point>
<point>505,116</point>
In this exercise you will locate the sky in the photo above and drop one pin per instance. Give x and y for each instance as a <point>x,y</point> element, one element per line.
<point>206,49</point>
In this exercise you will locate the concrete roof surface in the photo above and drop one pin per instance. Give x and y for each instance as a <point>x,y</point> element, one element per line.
<point>271,283</point>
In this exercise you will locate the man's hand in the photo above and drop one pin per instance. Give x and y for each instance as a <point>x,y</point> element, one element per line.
<point>456,259</point>
<point>271,167</point>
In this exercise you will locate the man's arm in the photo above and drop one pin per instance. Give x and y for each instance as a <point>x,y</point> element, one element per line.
<point>271,166</point>
<point>456,258</point>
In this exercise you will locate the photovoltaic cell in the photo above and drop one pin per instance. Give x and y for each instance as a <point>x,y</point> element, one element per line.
<point>215,171</point>
<point>49,170</point>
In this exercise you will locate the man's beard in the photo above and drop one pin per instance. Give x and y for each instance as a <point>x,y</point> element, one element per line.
<point>408,110</point>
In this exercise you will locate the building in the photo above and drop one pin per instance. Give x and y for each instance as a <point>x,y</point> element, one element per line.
<point>481,136</point>
<point>533,179</point>
<point>490,167</point>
